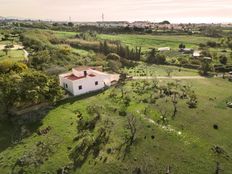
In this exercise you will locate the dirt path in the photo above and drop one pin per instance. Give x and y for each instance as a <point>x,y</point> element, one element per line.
<point>171,77</point>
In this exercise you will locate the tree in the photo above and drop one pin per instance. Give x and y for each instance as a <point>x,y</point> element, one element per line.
<point>165,22</point>
<point>130,135</point>
<point>205,67</point>
<point>131,121</point>
<point>154,57</point>
<point>192,103</point>
<point>106,48</point>
<point>113,56</point>
<point>174,103</point>
<point>70,24</point>
<point>182,46</point>
<point>8,66</point>
<point>20,89</point>
<point>223,59</point>
<point>218,168</point>
<point>6,50</point>
<point>169,71</point>
<point>151,56</point>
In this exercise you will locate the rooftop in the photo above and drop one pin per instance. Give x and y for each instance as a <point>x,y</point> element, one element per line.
<point>72,77</point>
<point>84,68</point>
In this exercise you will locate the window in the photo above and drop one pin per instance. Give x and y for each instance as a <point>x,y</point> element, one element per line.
<point>65,85</point>
<point>80,87</point>
<point>96,83</point>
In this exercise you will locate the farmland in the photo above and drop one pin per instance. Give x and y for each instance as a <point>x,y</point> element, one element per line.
<point>156,41</point>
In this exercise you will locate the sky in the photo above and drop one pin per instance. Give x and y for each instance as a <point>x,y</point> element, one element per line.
<point>176,11</point>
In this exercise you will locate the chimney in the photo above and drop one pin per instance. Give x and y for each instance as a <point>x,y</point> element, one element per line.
<point>85,73</point>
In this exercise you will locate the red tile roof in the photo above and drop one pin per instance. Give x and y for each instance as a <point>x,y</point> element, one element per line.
<point>73,77</point>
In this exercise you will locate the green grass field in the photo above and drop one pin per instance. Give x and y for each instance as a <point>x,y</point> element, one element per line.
<point>14,55</point>
<point>159,70</point>
<point>64,34</point>
<point>154,41</point>
<point>188,152</point>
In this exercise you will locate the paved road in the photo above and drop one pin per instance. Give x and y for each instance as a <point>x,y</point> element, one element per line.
<point>171,77</point>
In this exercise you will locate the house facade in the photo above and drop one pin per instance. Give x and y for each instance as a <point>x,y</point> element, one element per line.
<point>82,80</point>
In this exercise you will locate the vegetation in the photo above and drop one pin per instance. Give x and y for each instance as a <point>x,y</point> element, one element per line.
<point>23,87</point>
<point>137,126</point>
<point>86,136</point>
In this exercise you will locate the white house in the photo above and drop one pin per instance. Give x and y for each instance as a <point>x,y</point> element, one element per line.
<point>83,80</point>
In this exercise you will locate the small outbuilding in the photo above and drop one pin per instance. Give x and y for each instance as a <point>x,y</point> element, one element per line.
<point>164,49</point>
<point>197,54</point>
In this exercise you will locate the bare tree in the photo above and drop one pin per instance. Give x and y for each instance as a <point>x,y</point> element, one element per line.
<point>168,170</point>
<point>130,137</point>
<point>218,168</point>
<point>168,71</point>
<point>6,50</point>
<point>132,128</point>
<point>174,103</point>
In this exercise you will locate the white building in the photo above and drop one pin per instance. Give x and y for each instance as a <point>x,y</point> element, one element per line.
<point>197,54</point>
<point>82,80</point>
<point>164,49</point>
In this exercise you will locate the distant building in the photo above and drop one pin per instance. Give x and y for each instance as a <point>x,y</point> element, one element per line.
<point>207,58</point>
<point>82,80</point>
<point>113,24</point>
<point>164,49</point>
<point>142,24</point>
<point>186,50</point>
<point>196,54</point>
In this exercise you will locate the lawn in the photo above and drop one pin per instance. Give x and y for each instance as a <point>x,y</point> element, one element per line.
<point>14,55</point>
<point>156,41</point>
<point>64,34</point>
<point>155,148</point>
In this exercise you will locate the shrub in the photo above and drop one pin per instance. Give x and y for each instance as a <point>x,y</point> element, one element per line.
<point>113,56</point>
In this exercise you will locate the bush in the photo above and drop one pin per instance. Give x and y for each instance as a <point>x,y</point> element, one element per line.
<point>223,59</point>
<point>113,56</point>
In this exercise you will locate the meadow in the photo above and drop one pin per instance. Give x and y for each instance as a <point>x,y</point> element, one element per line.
<point>159,70</point>
<point>186,145</point>
<point>157,41</point>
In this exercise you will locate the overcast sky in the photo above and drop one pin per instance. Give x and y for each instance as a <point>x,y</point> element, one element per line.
<point>131,10</point>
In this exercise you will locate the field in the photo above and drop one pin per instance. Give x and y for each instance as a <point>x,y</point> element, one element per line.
<point>63,34</point>
<point>156,41</point>
<point>159,70</point>
<point>186,145</point>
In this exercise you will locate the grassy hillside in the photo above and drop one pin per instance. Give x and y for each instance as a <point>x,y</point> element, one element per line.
<point>185,145</point>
